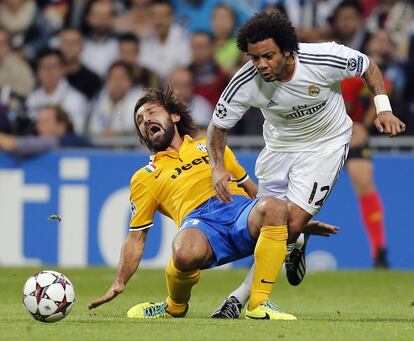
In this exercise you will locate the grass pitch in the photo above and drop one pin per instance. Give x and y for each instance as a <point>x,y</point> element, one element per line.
<point>373,305</point>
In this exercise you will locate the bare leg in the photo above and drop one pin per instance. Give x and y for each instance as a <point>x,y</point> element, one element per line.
<point>361,174</point>
<point>191,251</point>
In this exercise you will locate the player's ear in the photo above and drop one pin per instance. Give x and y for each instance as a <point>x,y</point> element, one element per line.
<point>175,118</point>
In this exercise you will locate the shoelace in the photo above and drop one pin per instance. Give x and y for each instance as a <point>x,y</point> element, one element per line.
<point>271,305</point>
<point>156,310</point>
<point>290,263</point>
<point>230,308</point>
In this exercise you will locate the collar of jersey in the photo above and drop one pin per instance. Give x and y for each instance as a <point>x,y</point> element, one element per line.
<point>187,140</point>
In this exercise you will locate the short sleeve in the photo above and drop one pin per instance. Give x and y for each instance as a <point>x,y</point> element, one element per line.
<point>143,206</point>
<point>349,62</point>
<point>234,101</point>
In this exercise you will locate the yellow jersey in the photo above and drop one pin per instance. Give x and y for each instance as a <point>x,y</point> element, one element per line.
<point>176,183</point>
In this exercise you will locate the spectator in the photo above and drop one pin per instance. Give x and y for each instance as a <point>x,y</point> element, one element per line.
<point>25,24</point>
<point>56,12</point>
<point>396,17</point>
<point>54,89</point>
<point>359,163</point>
<point>129,53</point>
<point>169,47</point>
<point>223,24</point>
<point>55,130</point>
<point>15,73</point>
<point>111,114</point>
<point>310,18</point>
<point>347,23</point>
<point>361,168</point>
<point>137,20</point>
<point>381,48</point>
<point>195,15</point>
<point>182,82</point>
<point>101,48</point>
<point>77,74</point>
<point>209,78</point>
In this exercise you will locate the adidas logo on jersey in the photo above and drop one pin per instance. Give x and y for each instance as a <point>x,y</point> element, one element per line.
<point>271,104</point>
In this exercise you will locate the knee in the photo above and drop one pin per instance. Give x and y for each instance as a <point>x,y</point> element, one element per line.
<point>272,211</point>
<point>189,250</point>
<point>364,187</point>
<point>182,257</point>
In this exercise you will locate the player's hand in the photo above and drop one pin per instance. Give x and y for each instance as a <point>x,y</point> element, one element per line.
<point>113,292</point>
<point>319,228</point>
<point>250,188</point>
<point>220,178</point>
<point>387,123</point>
<point>359,135</point>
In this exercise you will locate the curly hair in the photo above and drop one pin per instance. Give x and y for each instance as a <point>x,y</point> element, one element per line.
<point>264,26</point>
<point>170,102</point>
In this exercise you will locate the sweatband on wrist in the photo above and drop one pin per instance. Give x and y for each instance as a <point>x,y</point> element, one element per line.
<point>382,103</point>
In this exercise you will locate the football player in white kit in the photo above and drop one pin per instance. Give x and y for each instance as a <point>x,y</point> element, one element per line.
<point>306,128</point>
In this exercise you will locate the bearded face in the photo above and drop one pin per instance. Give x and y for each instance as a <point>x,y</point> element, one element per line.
<point>156,127</point>
<point>158,137</point>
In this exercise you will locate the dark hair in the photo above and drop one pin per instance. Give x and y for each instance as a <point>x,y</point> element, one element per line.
<point>345,4</point>
<point>264,26</point>
<point>61,116</point>
<point>128,37</point>
<point>128,69</point>
<point>47,52</point>
<point>87,8</point>
<point>170,102</point>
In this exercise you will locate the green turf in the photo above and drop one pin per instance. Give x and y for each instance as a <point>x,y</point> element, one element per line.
<point>372,305</point>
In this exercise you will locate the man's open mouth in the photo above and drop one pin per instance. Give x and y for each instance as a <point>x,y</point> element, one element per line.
<point>154,130</point>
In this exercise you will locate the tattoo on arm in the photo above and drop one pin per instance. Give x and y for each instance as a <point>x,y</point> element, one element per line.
<point>373,79</point>
<point>216,144</point>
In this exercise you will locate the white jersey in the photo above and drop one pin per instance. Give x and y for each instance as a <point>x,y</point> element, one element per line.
<point>306,113</point>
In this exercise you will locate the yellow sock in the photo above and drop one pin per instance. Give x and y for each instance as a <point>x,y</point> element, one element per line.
<point>269,255</point>
<point>179,286</point>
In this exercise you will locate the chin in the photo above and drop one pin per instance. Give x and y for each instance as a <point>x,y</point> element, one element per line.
<point>269,80</point>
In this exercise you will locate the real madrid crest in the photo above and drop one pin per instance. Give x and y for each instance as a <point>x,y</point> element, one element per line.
<point>313,90</point>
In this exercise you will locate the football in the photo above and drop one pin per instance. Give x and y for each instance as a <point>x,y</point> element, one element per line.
<point>48,296</point>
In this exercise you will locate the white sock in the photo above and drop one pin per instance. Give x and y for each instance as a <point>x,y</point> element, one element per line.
<point>242,293</point>
<point>300,241</point>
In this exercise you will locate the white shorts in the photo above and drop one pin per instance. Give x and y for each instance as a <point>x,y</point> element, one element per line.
<point>305,178</point>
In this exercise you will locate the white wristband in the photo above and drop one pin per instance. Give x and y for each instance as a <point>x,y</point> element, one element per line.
<point>382,103</point>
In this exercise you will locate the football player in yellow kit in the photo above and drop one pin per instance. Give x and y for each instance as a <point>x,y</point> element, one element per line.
<point>178,183</point>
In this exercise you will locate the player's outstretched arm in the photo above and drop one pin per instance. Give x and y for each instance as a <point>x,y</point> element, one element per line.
<point>131,255</point>
<point>386,122</point>
<point>216,144</point>
<point>319,228</point>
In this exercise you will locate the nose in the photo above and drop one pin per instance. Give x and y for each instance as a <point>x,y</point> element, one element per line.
<point>261,64</point>
<point>146,117</point>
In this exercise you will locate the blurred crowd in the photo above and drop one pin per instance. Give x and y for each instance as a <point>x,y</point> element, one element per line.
<point>85,62</point>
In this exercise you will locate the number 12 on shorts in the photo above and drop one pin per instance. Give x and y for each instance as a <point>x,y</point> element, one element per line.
<point>323,189</point>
